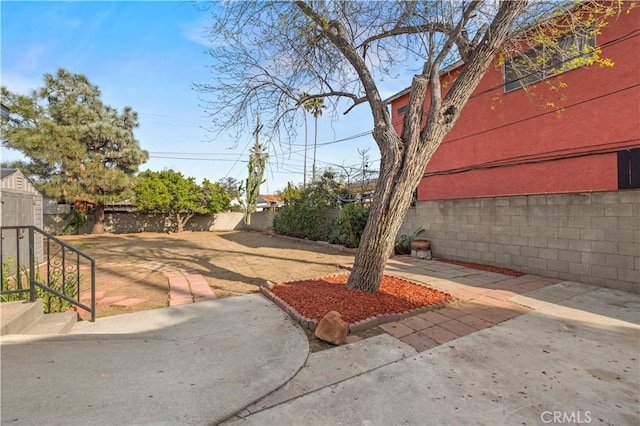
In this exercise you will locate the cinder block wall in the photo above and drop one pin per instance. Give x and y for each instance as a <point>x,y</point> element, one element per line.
<point>261,221</point>
<point>120,223</point>
<point>592,238</point>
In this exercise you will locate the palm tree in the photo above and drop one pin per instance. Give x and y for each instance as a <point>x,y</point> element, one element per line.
<point>314,106</point>
<point>305,95</point>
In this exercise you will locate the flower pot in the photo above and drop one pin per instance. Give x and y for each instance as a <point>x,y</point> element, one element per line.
<point>420,244</point>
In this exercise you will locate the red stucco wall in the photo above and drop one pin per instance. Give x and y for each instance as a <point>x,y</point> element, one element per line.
<point>538,149</point>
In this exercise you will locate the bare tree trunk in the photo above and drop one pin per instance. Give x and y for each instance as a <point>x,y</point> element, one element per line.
<point>378,237</point>
<point>392,198</point>
<point>98,218</point>
<point>181,220</point>
<point>179,223</point>
<point>403,158</point>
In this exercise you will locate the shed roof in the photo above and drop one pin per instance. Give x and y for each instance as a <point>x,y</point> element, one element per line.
<point>270,198</point>
<point>19,178</point>
<point>7,172</point>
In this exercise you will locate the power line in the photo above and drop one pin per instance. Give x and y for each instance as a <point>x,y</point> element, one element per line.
<point>238,160</point>
<point>625,37</point>
<point>197,159</point>
<point>532,159</point>
<point>449,141</point>
<point>191,153</point>
<point>348,138</point>
<point>628,36</point>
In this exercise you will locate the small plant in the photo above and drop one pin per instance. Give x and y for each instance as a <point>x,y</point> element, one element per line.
<point>350,224</point>
<point>78,220</point>
<point>403,244</point>
<point>66,285</point>
<point>11,282</point>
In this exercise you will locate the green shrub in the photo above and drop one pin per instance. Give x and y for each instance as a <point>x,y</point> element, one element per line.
<point>77,221</point>
<point>303,219</point>
<point>350,224</point>
<point>306,213</point>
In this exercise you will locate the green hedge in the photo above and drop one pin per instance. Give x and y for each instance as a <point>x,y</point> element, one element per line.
<point>303,219</point>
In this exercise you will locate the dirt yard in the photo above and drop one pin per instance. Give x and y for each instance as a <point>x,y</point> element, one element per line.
<point>233,263</point>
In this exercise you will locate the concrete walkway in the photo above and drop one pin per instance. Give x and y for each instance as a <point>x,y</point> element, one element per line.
<point>568,354</point>
<point>483,300</point>
<point>192,364</point>
<point>525,350</point>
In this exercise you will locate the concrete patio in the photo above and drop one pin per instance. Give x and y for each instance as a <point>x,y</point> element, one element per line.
<point>511,350</point>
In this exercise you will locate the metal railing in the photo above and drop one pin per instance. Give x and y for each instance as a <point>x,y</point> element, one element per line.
<point>51,268</point>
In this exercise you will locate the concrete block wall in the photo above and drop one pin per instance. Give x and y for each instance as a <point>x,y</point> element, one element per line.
<point>261,221</point>
<point>120,223</point>
<point>226,221</point>
<point>592,238</point>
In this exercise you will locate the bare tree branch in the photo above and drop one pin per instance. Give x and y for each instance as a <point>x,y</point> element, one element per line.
<point>266,54</point>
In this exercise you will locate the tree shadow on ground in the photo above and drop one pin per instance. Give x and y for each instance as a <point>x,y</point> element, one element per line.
<point>231,262</point>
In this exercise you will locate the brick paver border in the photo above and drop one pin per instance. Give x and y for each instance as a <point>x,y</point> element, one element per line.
<point>185,285</point>
<point>482,301</point>
<point>311,324</point>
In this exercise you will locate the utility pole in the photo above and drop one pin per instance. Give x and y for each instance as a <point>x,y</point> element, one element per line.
<point>364,153</point>
<point>306,137</point>
<point>258,154</point>
<point>316,113</point>
<point>364,186</point>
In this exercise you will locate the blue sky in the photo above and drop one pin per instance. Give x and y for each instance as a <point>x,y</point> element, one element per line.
<point>147,55</point>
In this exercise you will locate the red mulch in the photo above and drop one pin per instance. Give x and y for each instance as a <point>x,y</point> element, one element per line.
<point>314,298</point>
<point>488,268</point>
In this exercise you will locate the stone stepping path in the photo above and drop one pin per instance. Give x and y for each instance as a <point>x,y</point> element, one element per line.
<point>185,286</point>
<point>110,300</point>
<point>122,301</point>
<point>131,301</point>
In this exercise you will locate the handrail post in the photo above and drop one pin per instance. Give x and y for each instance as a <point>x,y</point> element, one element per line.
<point>18,271</point>
<point>2,258</point>
<point>32,267</point>
<point>93,290</point>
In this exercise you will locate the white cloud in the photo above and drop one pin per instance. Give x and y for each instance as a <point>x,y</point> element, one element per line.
<point>20,83</point>
<point>31,56</point>
<point>197,32</point>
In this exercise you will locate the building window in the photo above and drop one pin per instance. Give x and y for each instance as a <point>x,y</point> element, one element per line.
<point>401,110</point>
<point>540,63</point>
<point>629,168</point>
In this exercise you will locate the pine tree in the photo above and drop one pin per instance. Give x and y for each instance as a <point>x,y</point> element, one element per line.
<point>84,150</point>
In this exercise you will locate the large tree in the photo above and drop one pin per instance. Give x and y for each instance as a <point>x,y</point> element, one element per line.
<point>79,149</point>
<point>266,53</point>
<point>170,192</point>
